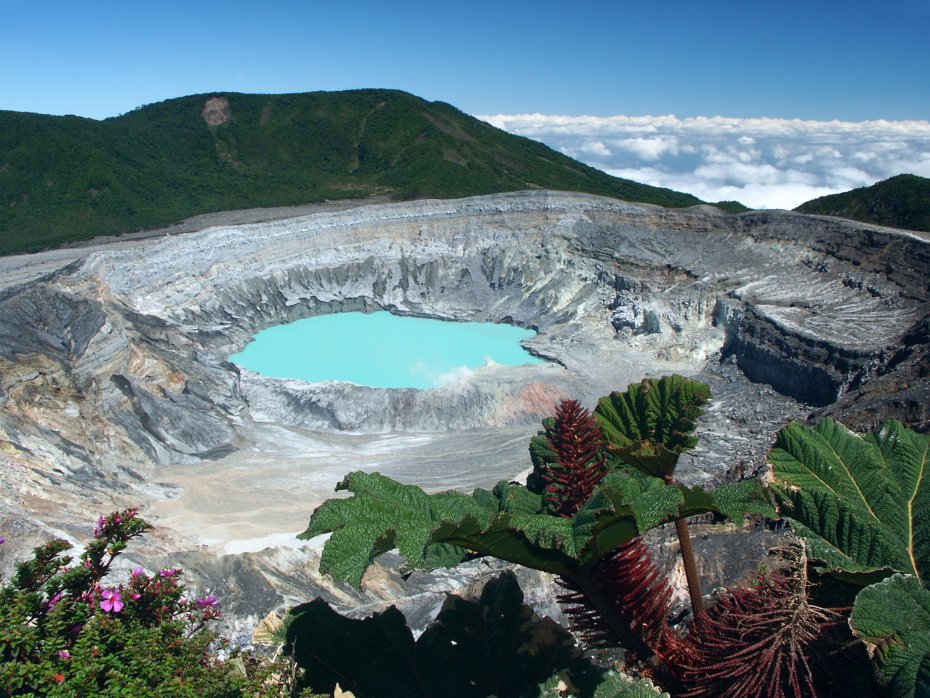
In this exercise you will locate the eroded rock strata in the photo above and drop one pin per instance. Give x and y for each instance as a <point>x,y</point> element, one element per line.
<point>115,388</point>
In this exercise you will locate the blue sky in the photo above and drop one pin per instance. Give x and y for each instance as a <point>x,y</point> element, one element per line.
<point>820,61</point>
<point>828,59</point>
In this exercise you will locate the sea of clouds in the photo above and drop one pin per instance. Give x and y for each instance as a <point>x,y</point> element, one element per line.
<point>761,162</point>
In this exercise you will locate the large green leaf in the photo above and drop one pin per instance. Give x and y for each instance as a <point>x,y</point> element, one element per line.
<point>648,457</point>
<point>437,530</point>
<point>652,422</point>
<point>384,514</point>
<point>539,541</point>
<point>515,498</point>
<point>622,508</point>
<point>663,411</point>
<point>863,502</point>
<point>893,619</point>
<point>495,646</point>
<point>734,500</point>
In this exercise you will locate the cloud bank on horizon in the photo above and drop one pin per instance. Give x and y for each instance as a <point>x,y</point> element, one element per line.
<point>761,162</point>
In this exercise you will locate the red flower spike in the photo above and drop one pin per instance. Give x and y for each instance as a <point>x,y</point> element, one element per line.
<point>640,594</point>
<point>578,442</point>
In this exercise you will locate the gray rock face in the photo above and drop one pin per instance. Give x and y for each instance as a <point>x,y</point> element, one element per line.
<point>115,388</point>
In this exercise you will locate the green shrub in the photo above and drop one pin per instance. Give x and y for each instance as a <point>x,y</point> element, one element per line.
<point>66,629</point>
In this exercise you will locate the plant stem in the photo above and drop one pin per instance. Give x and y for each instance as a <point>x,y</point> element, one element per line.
<point>691,572</point>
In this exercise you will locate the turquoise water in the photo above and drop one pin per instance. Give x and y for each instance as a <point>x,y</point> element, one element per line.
<point>382,350</point>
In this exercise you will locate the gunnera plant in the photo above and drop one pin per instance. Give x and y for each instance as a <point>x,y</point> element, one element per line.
<point>856,504</point>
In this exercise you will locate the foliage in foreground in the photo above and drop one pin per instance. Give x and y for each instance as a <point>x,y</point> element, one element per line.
<point>863,503</point>
<point>893,619</point>
<point>65,630</point>
<point>493,646</point>
<point>768,638</point>
<point>859,504</point>
<point>510,521</point>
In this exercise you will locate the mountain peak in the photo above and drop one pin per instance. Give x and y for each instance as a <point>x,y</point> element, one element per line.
<point>65,179</point>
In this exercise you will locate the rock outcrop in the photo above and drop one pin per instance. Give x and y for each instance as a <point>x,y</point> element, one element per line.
<point>113,368</point>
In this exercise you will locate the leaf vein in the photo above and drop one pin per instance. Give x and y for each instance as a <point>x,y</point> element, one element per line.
<point>853,480</point>
<point>910,513</point>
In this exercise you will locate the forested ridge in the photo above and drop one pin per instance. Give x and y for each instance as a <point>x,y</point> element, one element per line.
<point>67,178</point>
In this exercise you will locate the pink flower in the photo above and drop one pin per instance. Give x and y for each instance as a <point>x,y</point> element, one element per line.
<point>2,540</point>
<point>137,572</point>
<point>168,573</point>
<point>208,602</point>
<point>112,600</point>
<point>64,654</point>
<point>54,600</point>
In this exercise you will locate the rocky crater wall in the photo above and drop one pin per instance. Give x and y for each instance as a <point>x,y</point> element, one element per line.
<point>130,345</point>
<point>113,369</point>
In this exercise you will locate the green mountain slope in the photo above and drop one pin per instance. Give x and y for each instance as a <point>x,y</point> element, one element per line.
<point>68,178</point>
<point>899,202</point>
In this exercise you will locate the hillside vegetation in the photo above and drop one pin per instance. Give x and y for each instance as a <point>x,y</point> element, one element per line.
<point>64,179</point>
<point>900,202</point>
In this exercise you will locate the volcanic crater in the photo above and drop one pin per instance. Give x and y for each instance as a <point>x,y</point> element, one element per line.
<point>115,388</point>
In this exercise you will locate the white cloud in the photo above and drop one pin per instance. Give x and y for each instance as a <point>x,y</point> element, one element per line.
<point>595,148</point>
<point>649,148</point>
<point>763,162</point>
